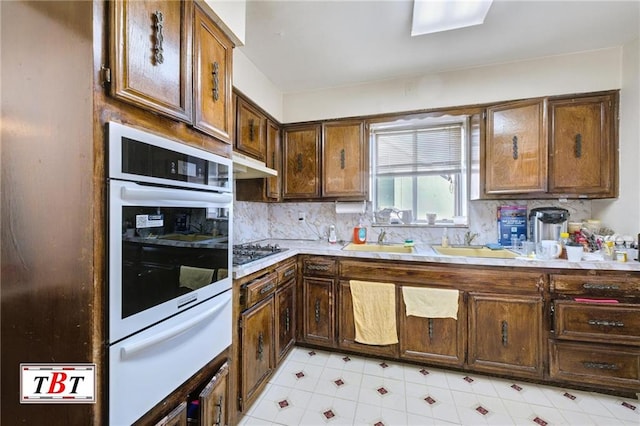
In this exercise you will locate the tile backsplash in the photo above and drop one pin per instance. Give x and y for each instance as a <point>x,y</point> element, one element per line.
<point>258,221</point>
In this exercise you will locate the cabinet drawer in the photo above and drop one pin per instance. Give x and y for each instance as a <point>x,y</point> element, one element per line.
<point>258,289</point>
<point>286,272</point>
<point>596,285</point>
<point>605,366</point>
<point>320,266</point>
<point>614,323</point>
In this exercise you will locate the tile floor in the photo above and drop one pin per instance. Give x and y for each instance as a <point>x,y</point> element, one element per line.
<point>313,387</point>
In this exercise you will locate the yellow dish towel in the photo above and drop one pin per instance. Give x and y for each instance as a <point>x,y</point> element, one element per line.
<point>431,302</point>
<point>195,278</point>
<point>374,312</point>
<point>222,273</point>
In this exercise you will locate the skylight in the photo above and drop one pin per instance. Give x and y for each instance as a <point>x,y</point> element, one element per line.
<point>432,16</point>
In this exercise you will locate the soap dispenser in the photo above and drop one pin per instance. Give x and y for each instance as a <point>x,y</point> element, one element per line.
<point>445,238</point>
<point>332,234</point>
<point>360,233</point>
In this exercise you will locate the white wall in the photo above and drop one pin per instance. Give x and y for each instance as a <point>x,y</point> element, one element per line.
<point>623,214</point>
<point>255,85</point>
<point>579,72</point>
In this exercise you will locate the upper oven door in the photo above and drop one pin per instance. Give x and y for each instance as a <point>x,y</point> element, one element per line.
<point>169,250</point>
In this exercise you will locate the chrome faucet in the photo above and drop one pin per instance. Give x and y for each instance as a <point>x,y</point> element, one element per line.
<point>469,237</point>
<point>381,236</point>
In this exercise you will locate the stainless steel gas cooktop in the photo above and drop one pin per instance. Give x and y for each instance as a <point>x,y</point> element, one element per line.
<point>245,253</point>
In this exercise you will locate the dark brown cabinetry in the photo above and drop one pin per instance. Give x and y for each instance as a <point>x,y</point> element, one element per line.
<point>213,399</point>
<point>516,148</point>
<point>213,55</point>
<point>347,329</point>
<point>301,162</point>
<point>285,321</point>
<point>319,277</point>
<point>344,160</point>
<point>582,149</point>
<point>151,55</point>
<point>505,334</point>
<point>274,160</point>
<point>257,340</point>
<point>439,340</point>
<point>177,417</point>
<point>251,127</point>
<point>592,342</point>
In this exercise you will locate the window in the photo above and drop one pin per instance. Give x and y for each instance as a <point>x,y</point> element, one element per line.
<point>420,166</point>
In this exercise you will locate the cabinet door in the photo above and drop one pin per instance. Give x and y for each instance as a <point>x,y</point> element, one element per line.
<point>214,401</point>
<point>582,159</point>
<point>150,43</point>
<point>257,349</point>
<point>213,109</point>
<point>438,340</point>
<point>516,148</point>
<point>301,164</point>
<point>344,160</point>
<point>285,318</point>
<point>274,159</point>
<point>177,416</point>
<point>250,130</point>
<point>318,311</point>
<point>347,329</point>
<point>505,334</point>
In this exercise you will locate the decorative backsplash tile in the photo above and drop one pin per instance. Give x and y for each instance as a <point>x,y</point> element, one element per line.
<point>258,221</point>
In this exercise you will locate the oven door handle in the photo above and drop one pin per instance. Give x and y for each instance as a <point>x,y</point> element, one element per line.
<point>130,350</point>
<point>151,194</point>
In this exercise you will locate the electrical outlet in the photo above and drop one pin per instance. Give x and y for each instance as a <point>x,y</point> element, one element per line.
<point>301,216</point>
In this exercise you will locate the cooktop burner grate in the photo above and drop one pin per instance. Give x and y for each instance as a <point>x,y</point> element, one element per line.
<point>245,253</point>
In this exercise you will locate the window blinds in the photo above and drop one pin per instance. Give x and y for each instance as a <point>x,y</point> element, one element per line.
<point>420,151</point>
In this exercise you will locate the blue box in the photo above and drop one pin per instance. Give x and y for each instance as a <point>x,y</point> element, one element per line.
<point>512,222</point>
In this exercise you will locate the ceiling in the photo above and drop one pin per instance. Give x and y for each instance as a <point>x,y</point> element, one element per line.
<point>309,45</point>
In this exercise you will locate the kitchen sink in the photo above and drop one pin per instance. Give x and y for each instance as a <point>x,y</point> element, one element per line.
<point>186,237</point>
<point>380,248</point>
<point>475,251</point>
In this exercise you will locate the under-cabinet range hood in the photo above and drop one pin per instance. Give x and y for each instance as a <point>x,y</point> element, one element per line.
<point>249,168</point>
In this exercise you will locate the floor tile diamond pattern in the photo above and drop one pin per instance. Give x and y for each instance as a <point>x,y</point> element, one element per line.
<point>314,387</point>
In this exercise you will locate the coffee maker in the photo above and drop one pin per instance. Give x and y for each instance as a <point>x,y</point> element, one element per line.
<point>547,223</point>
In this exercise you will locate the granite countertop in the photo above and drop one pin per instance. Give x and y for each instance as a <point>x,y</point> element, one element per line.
<point>421,253</point>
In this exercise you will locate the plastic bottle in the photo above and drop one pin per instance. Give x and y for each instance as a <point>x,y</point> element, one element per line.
<point>360,233</point>
<point>564,239</point>
<point>332,234</point>
<point>445,238</point>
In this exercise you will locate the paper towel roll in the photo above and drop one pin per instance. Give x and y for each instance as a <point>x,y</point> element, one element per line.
<point>354,207</point>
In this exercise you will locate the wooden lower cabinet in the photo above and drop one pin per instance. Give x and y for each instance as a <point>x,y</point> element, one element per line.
<point>213,399</point>
<point>177,417</point>
<point>347,329</point>
<point>505,334</point>
<point>285,324</point>
<point>438,340</point>
<point>257,358</point>
<point>318,310</point>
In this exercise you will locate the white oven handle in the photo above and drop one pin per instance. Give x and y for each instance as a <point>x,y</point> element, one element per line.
<point>154,194</point>
<point>128,351</point>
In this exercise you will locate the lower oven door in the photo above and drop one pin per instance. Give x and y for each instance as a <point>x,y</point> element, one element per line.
<point>169,250</point>
<point>147,367</point>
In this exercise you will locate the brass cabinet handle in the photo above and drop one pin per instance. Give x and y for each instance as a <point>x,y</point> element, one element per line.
<point>251,131</point>
<point>260,345</point>
<point>590,286</point>
<point>287,320</point>
<point>317,310</point>
<point>578,146</point>
<point>299,162</point>
<point>505,333</point>
<point>343,159</point>
<point>215,74</point>
<point>599,365</point>
<point>158,22</point>
<point>219,416</point>
<point>430,328</point>
<point>605,323</point>
<point>515,147</point>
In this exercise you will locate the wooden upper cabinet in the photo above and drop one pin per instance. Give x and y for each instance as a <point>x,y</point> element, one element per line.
<point>213,55</point>
<point>582,158</point>
<point>344,160</point>
<point>274,159</point>
<point>151,55</point>
<point>250,130</point>
<point>301,163</point>
<point>516,148</point>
